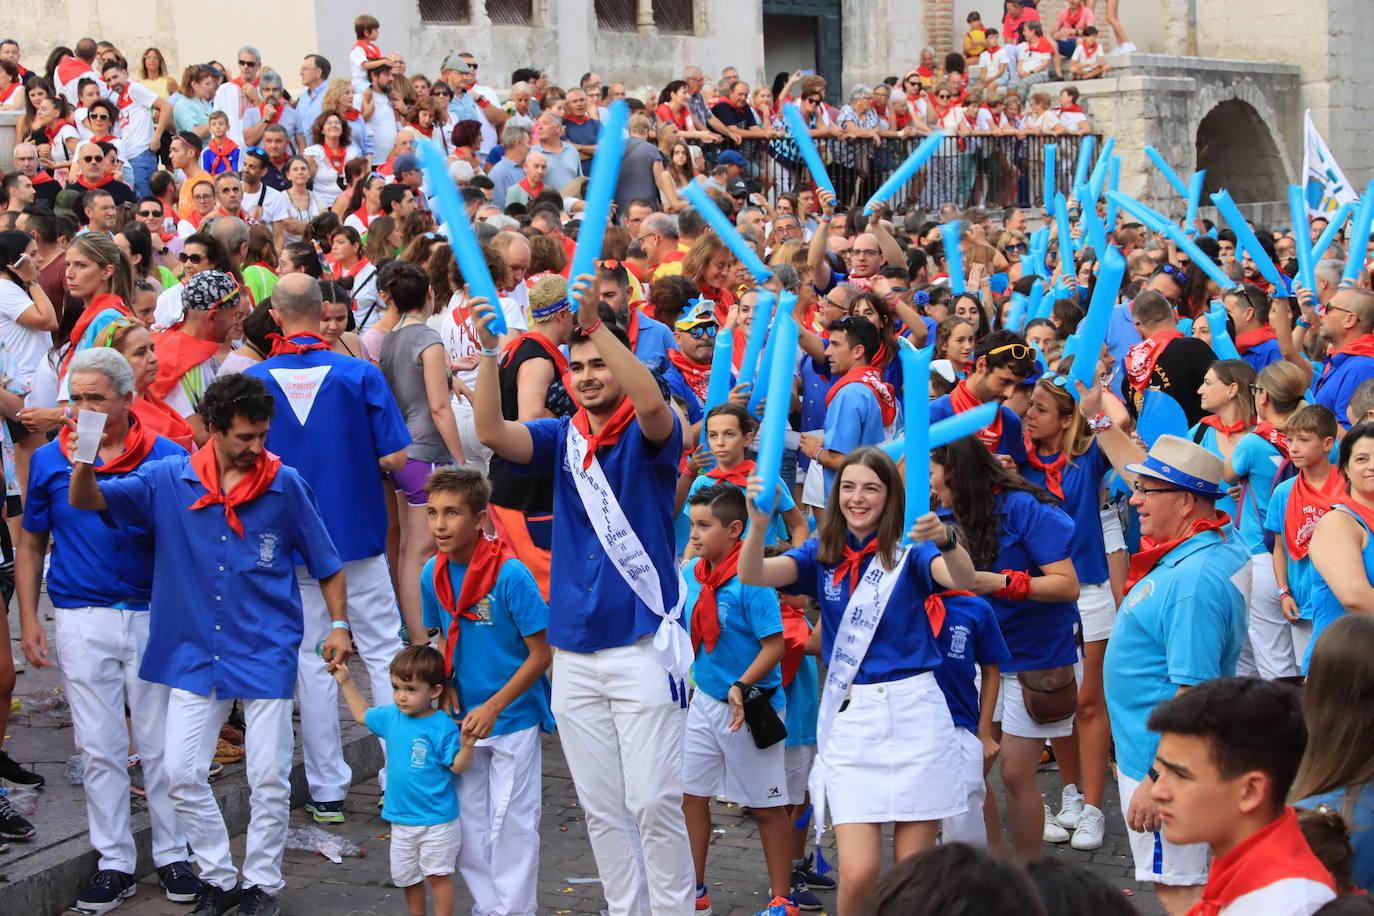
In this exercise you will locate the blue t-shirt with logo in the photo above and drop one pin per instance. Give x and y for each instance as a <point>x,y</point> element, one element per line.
<point>1182,624</point>
<point>968,639</point>
<point>1012,444</point>
<point>421,790</point>
<point>747,614</point>
<point>492,647</point>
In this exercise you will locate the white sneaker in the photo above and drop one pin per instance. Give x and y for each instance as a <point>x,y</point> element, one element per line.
<point>1070,807</point>
<point>1092,823</point>
<point>1128,48</point>
<point>1053,832</point>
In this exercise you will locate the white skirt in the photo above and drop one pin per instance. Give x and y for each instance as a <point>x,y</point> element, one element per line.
<point>894,756</point>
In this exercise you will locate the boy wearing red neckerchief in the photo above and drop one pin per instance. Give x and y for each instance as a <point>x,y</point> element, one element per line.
<point>1002,361</point>
<point>737,634</point>
<point>1228,752</point>
<point>493,626</point>
<point>221,153</point>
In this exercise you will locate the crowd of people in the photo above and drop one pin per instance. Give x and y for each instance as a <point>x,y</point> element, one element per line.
<point>315,440</point>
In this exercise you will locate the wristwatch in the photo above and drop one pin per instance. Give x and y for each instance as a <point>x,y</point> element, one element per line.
<point>743,688</point>
<point>953,541</point>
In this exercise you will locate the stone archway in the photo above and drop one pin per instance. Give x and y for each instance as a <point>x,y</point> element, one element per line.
<point>1237,148</point>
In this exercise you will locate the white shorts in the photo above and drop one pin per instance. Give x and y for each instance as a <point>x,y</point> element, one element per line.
<point>422,852</point>
<point>798,762</point>
<point>969,827</point>
<point>1113,537</point>
<point>891,753</point>
<point>717,761</point>
<point>813,485</point>
<point>1271,642</point>
<point>1011,711</point>
<point>1156,859</point>
<point>1097,610</point>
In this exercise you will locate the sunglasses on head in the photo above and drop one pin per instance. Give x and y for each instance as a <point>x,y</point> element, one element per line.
<point>1017,350</point>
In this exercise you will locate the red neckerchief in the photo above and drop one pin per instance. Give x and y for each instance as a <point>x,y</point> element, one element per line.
<point>98,304</point>
<point>1073,23</point>
<point>363,217</point>
<point>616,424</point>
<point>138,442</point>
<point>531,191</point>
<point>1042,47</point>
<point>195,218</point>
<point>796,633</point>
<point>338,162</point>
<point>9,93</point>
<point>579,121</point>
<point>52,131</point>
<point>278,165</point>
<point>104,138</point>
<point>962,399</point>
<point>177,354</point>
<point>935,607</point>
<point>370,49</point>
<point>1054,470</point>
<point>706,612</point>
<point>92,185</point>
<point>70,68</point>
<point>560,362</point>
<point>124,100</point>
<point>1306,505</point>
<point>484,567</point>
<point>276,115</point>
<point>1151,552</point>
<point>737,475</point>
<point>293,344</point>
<point>853,561</point>
<point>340,273</point>
<point>1089,49</point>
<point>221,152</point>
<point>426,132</point>
<point>1248,340</point>
<point>901,119</point>
<point>1276,852</point>
<point>697,376</point>
<point>42,177</point>
<point>1141,358</point>
<point>935,106</point>
<point>250,485</point>
<point>925,71</point>
<point>240,82</point>
<point>1273,435</point>
<point>1070,109</point>
<point>1226,429</point>
<point>157,416</point>
<point>872,379</point>
<point>632,328</point>
<point>1364,346</point>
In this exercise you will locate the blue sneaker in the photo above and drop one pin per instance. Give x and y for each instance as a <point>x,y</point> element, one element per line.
<point>805,899</point>
<point>806,875</point>
<point>779,906</point>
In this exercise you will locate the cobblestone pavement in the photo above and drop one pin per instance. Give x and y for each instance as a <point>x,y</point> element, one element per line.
<point>358,886</point>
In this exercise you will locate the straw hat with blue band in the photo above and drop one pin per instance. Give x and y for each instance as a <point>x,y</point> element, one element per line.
<point>1186,465</point>
<point>548,297</point>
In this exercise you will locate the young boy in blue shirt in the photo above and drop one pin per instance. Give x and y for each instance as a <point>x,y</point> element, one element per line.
<point>971,645</point>
<point>737,635</point>
<point>493,625</point>
<point>423,750</point>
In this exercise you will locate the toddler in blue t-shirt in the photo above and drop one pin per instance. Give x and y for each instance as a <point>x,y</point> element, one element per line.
<point>423,751</point>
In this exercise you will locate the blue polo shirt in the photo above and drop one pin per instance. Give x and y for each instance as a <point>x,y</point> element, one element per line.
<point>492,647</point>
<point>747,614</point>
<point>853,419</point>
<point>1182,624</point>
<point>1082,485</point>
<point>421,790</point>
<point>336,417</point>
<point>583,133</point>
<point>1302,573</point>
<point>1261,354</point>
<point>969,639</point>
<point>595,608</point>
<point>653,343</point>
<point>226,609</point>
<point>900,648</point>
<point>1340,376</point>
<point>93,565</point>
<point>1032,535</point>
<point>1012,444</point>
<point>1256,463</point>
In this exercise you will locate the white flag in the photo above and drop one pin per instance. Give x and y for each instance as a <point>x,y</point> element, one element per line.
<point>1325,186</point>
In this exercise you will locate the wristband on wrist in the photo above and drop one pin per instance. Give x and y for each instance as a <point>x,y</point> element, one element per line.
<point>491,351</point>
<point>1303,323</point>
<point>1100,423</point>
<point>587,331</point>
<point>1284,592</point>
<point>340,625</point>
<point>1018,585</point>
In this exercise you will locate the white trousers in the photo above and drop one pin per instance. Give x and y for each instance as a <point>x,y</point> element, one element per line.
<point>375,618</point>
<point>500,797</point>
<point>621,718</point>
<point>193,723</point>
<point>100,651</point>
<point>1270,639</point>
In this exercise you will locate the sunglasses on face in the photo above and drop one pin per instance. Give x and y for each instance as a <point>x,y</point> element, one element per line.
<point>248,63</point>
<point>91,158</point>
<point>191,258</point>
<point>150,214</point>
<point>97,116</point>
<point>707,331</point>
<point>1174,273</point>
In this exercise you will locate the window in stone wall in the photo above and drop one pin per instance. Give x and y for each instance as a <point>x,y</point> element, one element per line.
<point>510,12</point>
<point>618,15</point>
<point>446,11</point>
<point>675,17</point>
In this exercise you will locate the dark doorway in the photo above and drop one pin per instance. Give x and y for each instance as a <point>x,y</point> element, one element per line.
<point>803,35</point>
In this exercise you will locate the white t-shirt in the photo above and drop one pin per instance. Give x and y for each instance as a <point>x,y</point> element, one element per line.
<point>326,179</point>
<point>460,339</point>
<point>187,393</point>
<point>26,347</point>
<point>1080,56</point>
<point>272,202</point>
<point>381,127</point>
<point>1072,120</point>
<point>136,121</point>
<point>1032,61</point>
<point>989,61</point>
